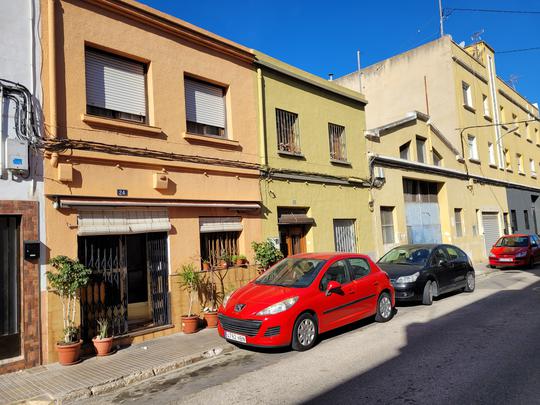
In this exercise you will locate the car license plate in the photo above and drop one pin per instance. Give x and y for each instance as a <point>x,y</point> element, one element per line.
<point>506,259</point>
<point>235,336</point>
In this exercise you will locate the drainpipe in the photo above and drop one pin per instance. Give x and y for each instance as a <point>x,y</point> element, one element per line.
<point>262,129</point>
<point>51,24</point>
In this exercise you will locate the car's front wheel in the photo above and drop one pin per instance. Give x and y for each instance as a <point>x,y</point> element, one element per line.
<point>305,332</point>
<point>470,282</point>
<point>430,291</point>
<point>385,312</point>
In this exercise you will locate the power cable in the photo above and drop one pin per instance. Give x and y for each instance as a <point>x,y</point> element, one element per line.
<point>536,48</point>
<point>488,10</point>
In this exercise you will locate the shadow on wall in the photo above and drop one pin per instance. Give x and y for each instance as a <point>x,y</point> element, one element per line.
<point>487,352</point>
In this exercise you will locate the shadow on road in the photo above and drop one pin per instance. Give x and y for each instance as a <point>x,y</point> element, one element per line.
<point>484,353</point>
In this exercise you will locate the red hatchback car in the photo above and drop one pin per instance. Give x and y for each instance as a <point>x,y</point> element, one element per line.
<point>303,296</point>
<point>517,250</point>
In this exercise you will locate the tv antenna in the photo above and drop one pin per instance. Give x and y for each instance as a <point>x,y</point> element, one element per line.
<point>477,36</point>
<point>513,79</point>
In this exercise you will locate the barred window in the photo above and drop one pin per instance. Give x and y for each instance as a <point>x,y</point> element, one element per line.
<point>337,142</point>
<point>288,131</point>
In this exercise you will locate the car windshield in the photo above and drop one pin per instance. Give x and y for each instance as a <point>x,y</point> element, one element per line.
<point>513,241</point>
<point>410,255</point>
<point>292,273</point>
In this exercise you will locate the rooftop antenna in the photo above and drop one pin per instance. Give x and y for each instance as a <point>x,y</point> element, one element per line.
<point>477,36</point>
<point>513,79</point>
<point>358,66</point>
<point>441,18</point>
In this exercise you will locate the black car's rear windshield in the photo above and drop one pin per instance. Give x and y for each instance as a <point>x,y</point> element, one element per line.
<point>513,241</point>
<point>292,273</point>
<point>414,255</point>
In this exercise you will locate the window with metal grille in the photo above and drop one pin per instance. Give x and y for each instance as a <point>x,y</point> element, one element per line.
<point>205,108</point>
<point>115,86</point>
<point>288,131</point>
<point>336,135</point>
<point>345,235</point>
<point>218,245</point>
<point>387,224</point>
<point>458,220</point>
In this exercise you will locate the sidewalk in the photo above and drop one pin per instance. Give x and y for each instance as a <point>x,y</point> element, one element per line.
<point>95,375</point>
<point>482,269</point>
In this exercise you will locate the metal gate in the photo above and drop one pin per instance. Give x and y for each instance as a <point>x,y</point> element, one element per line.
<point>490,223</point>
<point>422,211</point>
<point>106,295</point>
<point>344,235</point>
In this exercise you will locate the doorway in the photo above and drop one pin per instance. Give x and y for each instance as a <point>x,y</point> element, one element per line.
<point>137,280</point>
<point>293,240</point>
<point>10,334</point>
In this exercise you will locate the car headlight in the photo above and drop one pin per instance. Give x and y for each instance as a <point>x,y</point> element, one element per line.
<point>521,254</point>
<point>279,307</point>
<point>408,279</point>
<point>491,254</point>
<point>226,299</point>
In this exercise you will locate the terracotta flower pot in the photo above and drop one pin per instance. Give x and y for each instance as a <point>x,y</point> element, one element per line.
<point>239,262</point>
<point>206,266</point>
<point>190,324</point>
<point>211,319</point>
<point>103,346</point>
<point>223,264</point>
<point>69,353</point>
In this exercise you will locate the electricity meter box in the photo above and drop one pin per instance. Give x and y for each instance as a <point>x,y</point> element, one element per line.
<point>16,154</point>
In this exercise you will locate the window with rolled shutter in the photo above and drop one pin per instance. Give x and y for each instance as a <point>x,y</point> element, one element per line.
<point>345,235</point>
<point>205,108</point>
<point>115,86</point>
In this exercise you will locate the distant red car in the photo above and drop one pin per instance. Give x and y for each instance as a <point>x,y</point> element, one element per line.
<point>303,296</point>
<point>519,250</point>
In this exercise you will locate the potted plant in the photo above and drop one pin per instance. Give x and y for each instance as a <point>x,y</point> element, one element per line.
<point>206,265</point>
<point>240,260</point>
<point>103,342</point>
<point>69,276</point>
<point>224,260</point>
<point>210,316</point>
<point>190,281</point>
<point>266,254</point>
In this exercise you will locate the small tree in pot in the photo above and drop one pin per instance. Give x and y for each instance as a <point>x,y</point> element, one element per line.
<point>103,342</point>
<point>190,282</point>
<point>266,254</point>
<point>67,279</point>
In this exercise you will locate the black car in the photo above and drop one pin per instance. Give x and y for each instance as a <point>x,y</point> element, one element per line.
<point>421,272</point>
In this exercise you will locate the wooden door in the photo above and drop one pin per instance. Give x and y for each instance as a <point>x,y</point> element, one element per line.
<point>293,240</point>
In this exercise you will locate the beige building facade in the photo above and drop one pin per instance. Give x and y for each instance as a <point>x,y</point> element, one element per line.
<point>490,128</point>
<point>151,163</point>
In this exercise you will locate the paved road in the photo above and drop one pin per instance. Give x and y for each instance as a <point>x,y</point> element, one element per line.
<point>480,348</point>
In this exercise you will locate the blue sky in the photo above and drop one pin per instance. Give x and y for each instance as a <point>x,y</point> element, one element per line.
<point>322,36</point>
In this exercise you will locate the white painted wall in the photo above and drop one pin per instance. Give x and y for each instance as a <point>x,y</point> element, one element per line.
<point>20,62</point>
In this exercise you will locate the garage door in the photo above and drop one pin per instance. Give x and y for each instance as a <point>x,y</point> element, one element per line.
<point>490,222</point>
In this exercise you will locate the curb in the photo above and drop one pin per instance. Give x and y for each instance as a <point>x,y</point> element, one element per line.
<point>142,375</point>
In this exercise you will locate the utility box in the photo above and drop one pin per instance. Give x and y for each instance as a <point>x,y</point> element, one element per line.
<point>16,154</point>
<point>160,181</point>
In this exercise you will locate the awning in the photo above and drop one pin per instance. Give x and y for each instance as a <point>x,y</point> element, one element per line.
<point>220,224</point>
<point>295,219</point>
<point>76,202</point>
<point>119,222</point>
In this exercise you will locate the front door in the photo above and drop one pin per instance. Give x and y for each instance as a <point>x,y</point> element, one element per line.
<point>137,277</point>
<point>10,334</point>
<point>293,240</point>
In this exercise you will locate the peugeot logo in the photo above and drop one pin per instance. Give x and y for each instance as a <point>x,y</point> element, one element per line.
<point>239,307</point>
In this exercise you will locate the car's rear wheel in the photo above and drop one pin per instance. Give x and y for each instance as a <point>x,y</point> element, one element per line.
<point>385,312</point>
<point>304,332</point>
<point>470,282</point>
<point>430,291</point>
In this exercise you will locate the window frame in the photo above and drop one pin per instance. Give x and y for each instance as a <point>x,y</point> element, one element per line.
<point>467,94</point>
<point>337,136</point>
<point>347,274</point>
<point>526,219</point>
<point>292,121</point>
<point>384,226</point>
<point>491,152</point>
<point>420,141</point>
<point>406,147</point>
<point>202,129</point>
<point>473,147</point>
<point>458,215</point>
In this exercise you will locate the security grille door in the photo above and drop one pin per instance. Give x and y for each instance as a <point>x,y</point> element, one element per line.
<point>490,222</point>
<point>422,211</point>
<point>156,247</point>
<point>10,338</point>
<point>344,235</point>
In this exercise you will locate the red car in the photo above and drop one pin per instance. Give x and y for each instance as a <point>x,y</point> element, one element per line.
<point>517,250</point>
<point>303,296</point>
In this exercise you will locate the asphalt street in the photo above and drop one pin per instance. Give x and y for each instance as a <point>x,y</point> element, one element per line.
<point>479,348</point>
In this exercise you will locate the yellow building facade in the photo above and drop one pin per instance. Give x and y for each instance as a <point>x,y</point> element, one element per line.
<point>491,140</point>
<point>151,162</point>
<point>315,178</point>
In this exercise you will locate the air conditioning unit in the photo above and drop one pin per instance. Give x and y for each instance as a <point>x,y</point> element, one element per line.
<point>16,154</point>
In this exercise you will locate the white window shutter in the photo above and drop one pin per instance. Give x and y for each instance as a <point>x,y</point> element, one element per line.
<point>115,83</point>
<point>205,103</point>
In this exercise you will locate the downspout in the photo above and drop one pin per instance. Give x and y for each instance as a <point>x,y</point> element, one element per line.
<point>262,129</point>
<point>51,24</point>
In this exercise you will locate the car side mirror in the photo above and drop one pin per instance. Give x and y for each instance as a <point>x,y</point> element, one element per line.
<point>332,287</point>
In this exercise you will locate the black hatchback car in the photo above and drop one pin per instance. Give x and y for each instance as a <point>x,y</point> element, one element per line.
<point>422,272</point>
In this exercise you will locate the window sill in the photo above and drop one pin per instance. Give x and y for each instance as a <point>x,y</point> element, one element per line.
<point>488,118</point>
<point>473,160</point>
<point>210,139</point>
<point>521,173</point>
<point>469,108</point>
<point>493,165</point>
<point>341,162</point>
<point>119,125</point>
<point>517,133</point>
<point>284,153</point>
<point>533,176</point>
<point>505,127</point>
<point>529,140</point>
<point>510,170</point>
